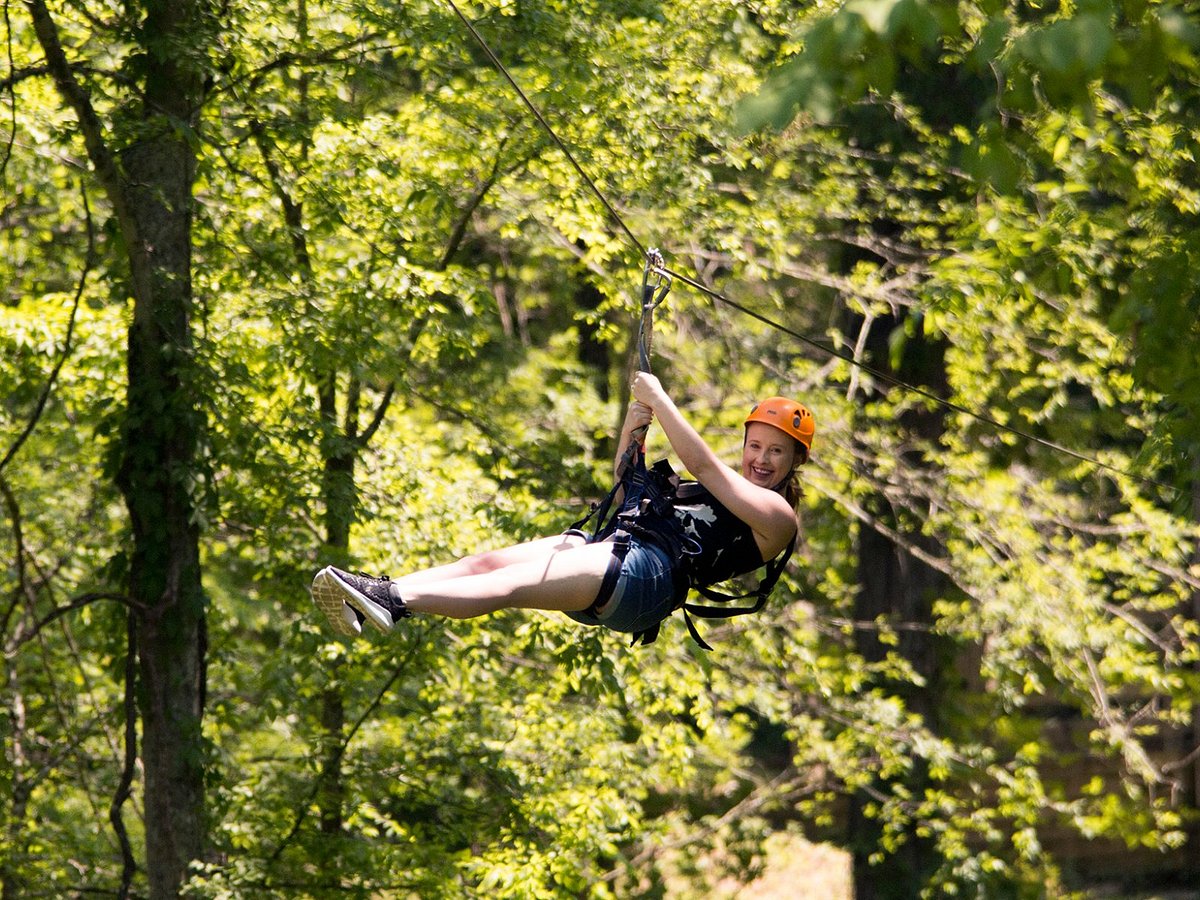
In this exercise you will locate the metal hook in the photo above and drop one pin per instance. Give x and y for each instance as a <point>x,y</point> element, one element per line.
<point>654,294</point>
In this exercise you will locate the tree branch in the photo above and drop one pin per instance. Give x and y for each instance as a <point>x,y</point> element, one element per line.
<point>44,397</point>
<point>16,76</point>
<point>776,790</point>
<point>78,603</point>
<point>340,752</point>
<point>377,419</point>
<point>103,161</point>
<point>293,210</point>
<point>457,235</point>
<point>14,516</point>
<point>333,54</point>
<point>129,770</point>
<point>460,227</point>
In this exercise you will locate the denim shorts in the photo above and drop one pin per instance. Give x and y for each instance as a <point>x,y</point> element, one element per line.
<point>644,593</point>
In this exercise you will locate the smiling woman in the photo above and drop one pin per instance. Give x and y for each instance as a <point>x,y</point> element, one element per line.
<point>795,421</point>
<point>635,571</point>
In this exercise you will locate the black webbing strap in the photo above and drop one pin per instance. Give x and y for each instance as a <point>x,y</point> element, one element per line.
<point>632,467</point>
<point>775,568</point>
<point>612,573</point>
<point>761,594</point>
<point>655,286</point>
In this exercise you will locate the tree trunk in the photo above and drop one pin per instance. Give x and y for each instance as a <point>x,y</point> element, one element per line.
<point>338,494</point>
<point>900,588</point>
<point>1195,780</point>
<point>339,452</point>
<point>12,885</point>
<point>150,189</point>
<point>164,429</point>
<point>158,472</point>
<point>896,586</point>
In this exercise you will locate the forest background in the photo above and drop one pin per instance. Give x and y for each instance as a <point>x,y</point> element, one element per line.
<point>297,284</point>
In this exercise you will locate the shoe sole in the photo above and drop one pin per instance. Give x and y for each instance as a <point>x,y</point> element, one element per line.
<point>330,592</point>
<point>328,600</point>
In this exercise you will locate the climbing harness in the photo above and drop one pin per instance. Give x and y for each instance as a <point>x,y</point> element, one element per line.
<point>648,499</point>
<point>647,513</point>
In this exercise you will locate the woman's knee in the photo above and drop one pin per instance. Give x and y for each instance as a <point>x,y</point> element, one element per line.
<point>489,561</point>
<point>485,562</point>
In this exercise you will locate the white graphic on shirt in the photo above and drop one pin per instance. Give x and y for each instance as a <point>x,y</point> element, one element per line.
<point>689,515</point>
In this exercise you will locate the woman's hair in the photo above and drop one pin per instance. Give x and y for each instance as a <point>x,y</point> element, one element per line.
<point>791,491</point>
<point>791,485</point>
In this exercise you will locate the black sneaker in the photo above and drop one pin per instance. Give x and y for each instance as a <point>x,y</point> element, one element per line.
<point>327,596</point>
<point>376,598</point>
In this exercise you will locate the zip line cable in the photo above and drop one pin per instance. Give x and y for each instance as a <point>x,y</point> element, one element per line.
<point>745,310</point>
<point>912,388</point>
<point>550,131</point>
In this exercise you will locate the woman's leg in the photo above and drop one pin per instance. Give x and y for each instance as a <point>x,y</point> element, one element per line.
<point>491,560</point>
<point>554,574</point>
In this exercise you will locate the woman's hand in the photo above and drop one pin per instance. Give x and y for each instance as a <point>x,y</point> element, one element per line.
<point>638,416</point>
<point>648,390</point>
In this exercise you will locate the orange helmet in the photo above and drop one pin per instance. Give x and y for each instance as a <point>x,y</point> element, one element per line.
<point>788,416</point>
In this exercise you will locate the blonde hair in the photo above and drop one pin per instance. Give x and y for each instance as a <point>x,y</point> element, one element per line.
<point>791,490</point>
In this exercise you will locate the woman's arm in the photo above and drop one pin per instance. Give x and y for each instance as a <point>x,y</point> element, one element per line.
<point>638,416</point>
<point>765,511</point>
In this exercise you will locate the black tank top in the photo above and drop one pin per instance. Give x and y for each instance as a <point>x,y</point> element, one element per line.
<point>727,545</point>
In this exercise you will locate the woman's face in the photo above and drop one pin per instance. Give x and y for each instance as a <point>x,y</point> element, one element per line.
<point>768,455</point>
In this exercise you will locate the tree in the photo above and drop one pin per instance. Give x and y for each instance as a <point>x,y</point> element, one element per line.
<point>144,160</point>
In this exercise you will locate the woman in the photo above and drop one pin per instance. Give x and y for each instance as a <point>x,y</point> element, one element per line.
<point>628,584</point>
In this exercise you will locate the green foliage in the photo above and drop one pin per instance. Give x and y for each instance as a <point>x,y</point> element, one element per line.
<point>380,229</point>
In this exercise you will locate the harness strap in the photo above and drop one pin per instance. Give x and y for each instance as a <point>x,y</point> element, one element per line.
<point>611,574</point>
<point>691,627</point>
<point>774,569</point>
<point>761,594</point>
<point>654,292</point>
